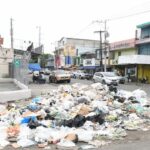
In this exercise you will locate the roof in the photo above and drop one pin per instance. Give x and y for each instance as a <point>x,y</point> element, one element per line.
<point>77,39</point>
<point>144,25</point>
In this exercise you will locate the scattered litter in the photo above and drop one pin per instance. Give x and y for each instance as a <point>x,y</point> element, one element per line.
<point>95,114</point>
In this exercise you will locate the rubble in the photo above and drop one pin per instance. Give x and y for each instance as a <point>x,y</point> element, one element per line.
<point>95,114</point>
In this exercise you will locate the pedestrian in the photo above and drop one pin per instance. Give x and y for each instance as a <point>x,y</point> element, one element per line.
<point>42,78</point>
<point>35,76</point>
<point>128,76</point>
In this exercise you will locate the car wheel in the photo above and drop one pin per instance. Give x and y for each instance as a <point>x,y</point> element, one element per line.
<point>54,80</point>
<point>123,82</point>
<point>80,77</point>
<point>68,81</point>
<point>50,81</point>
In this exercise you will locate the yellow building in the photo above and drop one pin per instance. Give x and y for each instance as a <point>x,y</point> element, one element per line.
<point>126,58</point>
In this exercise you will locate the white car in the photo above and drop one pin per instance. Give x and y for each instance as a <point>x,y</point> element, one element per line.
<point>78,74</point>
<point>108,78</point>
<point>47,72</point>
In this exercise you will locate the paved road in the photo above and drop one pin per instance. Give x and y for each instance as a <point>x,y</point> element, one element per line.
<point>38,89</point>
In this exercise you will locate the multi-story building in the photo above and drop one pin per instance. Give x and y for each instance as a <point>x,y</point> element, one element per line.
<point>143,46</point>
<point>69,50</point>
<point>133,55</point>
<point>6,59</point>
<point>50,62</point>
<point>120,52</point>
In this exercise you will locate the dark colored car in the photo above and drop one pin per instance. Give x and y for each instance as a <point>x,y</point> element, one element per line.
<point>88,76</point>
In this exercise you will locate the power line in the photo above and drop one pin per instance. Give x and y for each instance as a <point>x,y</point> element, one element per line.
<point>134,14</point>
<point>112,19</point>
<point>83,29</point>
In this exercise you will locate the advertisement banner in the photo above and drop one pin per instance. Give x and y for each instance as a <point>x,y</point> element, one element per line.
<point>69,50</point>
<point>89,62</point>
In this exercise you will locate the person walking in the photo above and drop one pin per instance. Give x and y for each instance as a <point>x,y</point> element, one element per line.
<point>128,75</point>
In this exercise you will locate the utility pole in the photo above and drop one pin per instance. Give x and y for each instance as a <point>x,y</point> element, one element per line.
<point>105,43</point>
<point>105,51</point>
<point>100,49</point>
<point>39,36</point>
<point>11,33</point>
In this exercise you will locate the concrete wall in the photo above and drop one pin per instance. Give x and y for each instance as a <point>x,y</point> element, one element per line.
<point>6,57</point>
<point>124,52</point>
<point>4,69</point>
<point>21,94</point>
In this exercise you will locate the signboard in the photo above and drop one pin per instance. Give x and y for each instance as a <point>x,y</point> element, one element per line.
<point>17,63</point>
<point>69,50</point>
<point>89,62</point>
<point>123,44</point>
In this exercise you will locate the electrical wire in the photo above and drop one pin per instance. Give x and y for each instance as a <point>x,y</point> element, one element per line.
<point>83,29</point>
<point>134,14</point>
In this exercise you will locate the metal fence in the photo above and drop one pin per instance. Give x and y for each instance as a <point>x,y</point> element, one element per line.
<point>20,67</point>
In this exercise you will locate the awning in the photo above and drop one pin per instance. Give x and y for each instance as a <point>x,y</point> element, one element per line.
<point>89,67</point>
<point>34,67</point>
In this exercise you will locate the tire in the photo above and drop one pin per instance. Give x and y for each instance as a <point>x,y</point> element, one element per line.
<point>50,81</point>
<point>68,81</point>
<point>80,77</point>
<point>55,80</point>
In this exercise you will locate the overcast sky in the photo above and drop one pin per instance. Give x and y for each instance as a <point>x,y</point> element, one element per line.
<point>69,18</point>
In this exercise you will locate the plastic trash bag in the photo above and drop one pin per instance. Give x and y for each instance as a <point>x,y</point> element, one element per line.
<point>85,135</point>
<point>36,99</point>
<point>25,142</point>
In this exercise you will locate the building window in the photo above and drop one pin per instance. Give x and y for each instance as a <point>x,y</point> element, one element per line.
<point>144,49</point>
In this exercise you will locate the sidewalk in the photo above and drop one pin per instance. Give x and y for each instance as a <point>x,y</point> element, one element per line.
<point>8,87</point>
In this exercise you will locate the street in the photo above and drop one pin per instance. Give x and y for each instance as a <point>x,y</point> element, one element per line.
<point>38,89</point>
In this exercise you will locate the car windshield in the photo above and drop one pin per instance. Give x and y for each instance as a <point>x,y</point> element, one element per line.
<point>109,74</point>
<point>60,72</point>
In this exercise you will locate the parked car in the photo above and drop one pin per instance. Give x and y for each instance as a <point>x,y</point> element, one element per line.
<point>88,76</point>
<point>59,75</point>
<point>122,79</point>
<point>47,72</point>
<point>78,74</point>
<point>108,78</point>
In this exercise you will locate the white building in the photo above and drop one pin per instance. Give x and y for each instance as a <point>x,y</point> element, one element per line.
<point>6,58</point>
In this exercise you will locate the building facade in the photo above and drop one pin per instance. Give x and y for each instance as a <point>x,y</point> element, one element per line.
<point>69,50</point>
<point>143,46</point>
<point>6,59</point>
<point>121,51</point>
<point>133,56</point>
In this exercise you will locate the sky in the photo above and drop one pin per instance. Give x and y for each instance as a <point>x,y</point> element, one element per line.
<point>69,18</point>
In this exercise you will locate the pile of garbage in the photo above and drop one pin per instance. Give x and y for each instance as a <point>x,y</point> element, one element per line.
<point>94,114</point>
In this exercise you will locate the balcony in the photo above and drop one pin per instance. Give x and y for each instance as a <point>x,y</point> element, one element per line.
<point>134,59</point>
<point>142,41</point>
